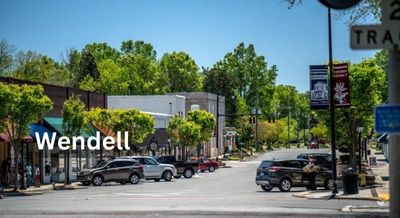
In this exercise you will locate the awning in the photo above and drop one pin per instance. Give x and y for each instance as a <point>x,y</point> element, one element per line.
<point>36,128</point>
<point>5,138</point>
<point>56,125</point>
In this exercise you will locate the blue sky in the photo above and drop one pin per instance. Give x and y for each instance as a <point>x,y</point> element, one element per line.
<point>206,29</point>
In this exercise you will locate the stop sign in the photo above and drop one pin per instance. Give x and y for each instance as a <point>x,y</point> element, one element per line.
<point>339,4</point>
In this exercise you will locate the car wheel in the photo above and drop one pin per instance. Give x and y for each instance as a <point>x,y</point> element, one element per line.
<point>177,177</point>
<point>156,180</point>
<point>134,179</point>
<point>329,184</point>
<point>97,180</point>
<point>267,188</point>
<point>211,169</point>
<point>188,173</point>
<point>167,176</point>
<point>285,185</point>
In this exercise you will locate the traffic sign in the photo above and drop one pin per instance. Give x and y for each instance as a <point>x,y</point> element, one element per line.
<point>387,119</point>
<point>386,35</point>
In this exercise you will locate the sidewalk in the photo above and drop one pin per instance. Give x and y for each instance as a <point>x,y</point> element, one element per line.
<point>40,190</point>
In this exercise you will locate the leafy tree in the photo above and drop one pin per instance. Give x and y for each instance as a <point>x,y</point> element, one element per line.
<point>173,128</point>
<point>101,51</point>
<point>182,72</point>
<point>6,57</point>
<point>72,125</point>
<point>21,106</point>
<point>88,67</point>
<point>137,124</point>
<point>189,135</point>
<point>40,68</point>
<point>269,133</point>
<point>206,121</point>
<point>138,48</point>
<point>72,63</point>
<point>254,80</point>
<point>320,132</point>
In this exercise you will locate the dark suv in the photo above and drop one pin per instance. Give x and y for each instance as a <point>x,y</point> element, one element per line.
<point>185,168</point>
<point>112,171</point>
<point>286,174</point>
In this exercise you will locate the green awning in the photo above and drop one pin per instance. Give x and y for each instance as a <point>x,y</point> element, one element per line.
<point>56,124</point>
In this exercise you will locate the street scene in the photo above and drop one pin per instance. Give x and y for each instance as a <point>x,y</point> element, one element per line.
<point>230,108</point>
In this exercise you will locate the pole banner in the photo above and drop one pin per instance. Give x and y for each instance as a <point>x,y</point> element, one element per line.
<point>319,87</point>
<point>341,85</point>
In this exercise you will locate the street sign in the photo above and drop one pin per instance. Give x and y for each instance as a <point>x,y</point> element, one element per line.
<point>386,35</point>
<point>375,37</point>
<point>319,87</point>
<point>387,119</point>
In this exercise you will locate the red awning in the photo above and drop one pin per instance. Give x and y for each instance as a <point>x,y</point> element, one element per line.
<point>5,138</point>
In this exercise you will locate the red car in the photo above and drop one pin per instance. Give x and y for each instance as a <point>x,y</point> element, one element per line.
<point>207,164</point>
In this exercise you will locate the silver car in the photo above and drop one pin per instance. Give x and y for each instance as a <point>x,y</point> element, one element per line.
<point>153,170</point>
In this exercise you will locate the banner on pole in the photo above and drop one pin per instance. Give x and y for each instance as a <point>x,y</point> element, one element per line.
<point>341,85</point>
<point>319,87</point>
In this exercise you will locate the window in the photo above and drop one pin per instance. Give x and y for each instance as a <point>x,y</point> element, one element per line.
<point>149,161</point>
<point>291,164</point>
<point>115,164</point>
<point>267,164</point>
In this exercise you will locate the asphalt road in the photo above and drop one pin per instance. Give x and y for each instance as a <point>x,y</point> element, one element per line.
<point>226,192</point>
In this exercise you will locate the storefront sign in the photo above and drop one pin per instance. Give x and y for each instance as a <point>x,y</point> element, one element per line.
<point>319,87</point>
<point>341,85</point>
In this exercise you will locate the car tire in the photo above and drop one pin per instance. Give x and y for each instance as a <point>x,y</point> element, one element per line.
<point>329,184</point>
<point>97,180</point>
<point>267,188</point>
<point>211,169</point>
<point>134,178</point>
<point>188,173</point>
<point>285,185</point>
<point>177,177</point>
<point>167,176</point>
<point>156,180</point>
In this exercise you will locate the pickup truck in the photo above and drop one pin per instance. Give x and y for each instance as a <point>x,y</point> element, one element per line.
<point>185,168</point>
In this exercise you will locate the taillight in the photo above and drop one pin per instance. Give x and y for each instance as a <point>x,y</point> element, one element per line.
<point>274,169</point>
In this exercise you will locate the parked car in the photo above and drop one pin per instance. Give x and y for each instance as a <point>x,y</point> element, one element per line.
<point>286,174</point>
<point>323,159</point>
<point>313,145</point>
<point>112,171</point>
<point>154,170</point>
<point>206,164</point>
<point>185,168</point>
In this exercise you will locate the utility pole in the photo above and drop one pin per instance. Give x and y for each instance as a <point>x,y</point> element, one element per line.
<point>332,107</point>
<point>288,129</point>
<point>257,125</point>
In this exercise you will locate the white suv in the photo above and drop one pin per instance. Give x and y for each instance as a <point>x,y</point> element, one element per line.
<point>154,170</point>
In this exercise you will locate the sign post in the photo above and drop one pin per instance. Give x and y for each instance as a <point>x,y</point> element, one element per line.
<point>386,36</point>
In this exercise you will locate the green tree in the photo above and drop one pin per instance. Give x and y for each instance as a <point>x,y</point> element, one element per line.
<point>253,79</point>
<point>190,136</point>
<point>269,133</point>
<point>137,124</point>
<point>320,132</point>
<point>138,48</point>
<point>101,51</point>
<point>88,67</point>
<point>21,106</point>
<point>35,67</point>
<point>6,57</point>
<point>72,63</point>
<point>182,72</point>
<point>206,121</point>
<point>173,129</point>
<point>73,114</point>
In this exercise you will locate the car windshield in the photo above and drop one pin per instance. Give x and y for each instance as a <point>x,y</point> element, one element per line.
<point>101,164</point>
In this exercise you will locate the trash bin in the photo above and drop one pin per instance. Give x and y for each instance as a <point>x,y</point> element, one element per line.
<point>350,183</point>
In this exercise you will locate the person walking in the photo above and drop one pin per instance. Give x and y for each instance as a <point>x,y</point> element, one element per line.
<point>28,170</point>
<point>311,169</point>
<point>37,176</point>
